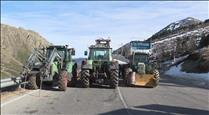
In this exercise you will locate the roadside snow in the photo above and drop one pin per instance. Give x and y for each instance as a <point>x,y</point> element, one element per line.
<point>175,71</point>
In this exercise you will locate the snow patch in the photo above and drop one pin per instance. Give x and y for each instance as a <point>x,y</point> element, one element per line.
<point>176,72</point>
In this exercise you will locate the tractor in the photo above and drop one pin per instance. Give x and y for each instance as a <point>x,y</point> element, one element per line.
<point>141,71</point>
<point>99,68</point>
<point>52,64</point>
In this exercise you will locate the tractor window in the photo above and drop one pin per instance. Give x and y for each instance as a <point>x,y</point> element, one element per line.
<point>61,53</point>
<point>99,54</point>
<point>49,51</point>
<point>140,58</point>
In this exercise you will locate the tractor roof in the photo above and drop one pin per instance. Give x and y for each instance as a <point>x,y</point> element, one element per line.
<point>101,43</point>
<point>57,46</point>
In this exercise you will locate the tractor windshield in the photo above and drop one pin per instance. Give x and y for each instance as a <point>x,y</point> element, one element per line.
<point>140,58</point>
<point>65,55</point>
<point>60,51</point>
<point>99,54</point>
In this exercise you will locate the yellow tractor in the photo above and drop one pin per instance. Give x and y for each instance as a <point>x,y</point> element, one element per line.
<point>141,71</point>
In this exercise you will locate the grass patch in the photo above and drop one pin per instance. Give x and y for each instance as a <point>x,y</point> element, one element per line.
<point>23,54</point>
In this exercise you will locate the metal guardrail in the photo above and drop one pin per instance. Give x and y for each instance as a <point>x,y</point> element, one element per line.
<point>11,82</point>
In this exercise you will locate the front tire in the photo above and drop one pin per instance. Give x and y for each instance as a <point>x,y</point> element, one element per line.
<point>156,76</point>
<point>85,82</point>
<point>114,78</point>
<point>63,81</point>
<point>34,81</point>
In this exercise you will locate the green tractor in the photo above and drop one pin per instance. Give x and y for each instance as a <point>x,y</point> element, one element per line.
<point>53,65</point>
<point>100,68</point>
<point>141,71</point>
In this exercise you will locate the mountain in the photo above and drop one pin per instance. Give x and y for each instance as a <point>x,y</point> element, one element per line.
<point>183,25</point>
<point>190,35</point>
<point>16,46</point>
<point>186,38</point>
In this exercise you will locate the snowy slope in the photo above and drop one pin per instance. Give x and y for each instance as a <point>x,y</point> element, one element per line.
<point>181,23</point>
<point>176,27</point>
<point>175,71</point>
<point>197,33</point>
<point>179,43</point>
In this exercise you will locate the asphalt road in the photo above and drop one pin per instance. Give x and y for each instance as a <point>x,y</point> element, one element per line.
<point>169,98</point>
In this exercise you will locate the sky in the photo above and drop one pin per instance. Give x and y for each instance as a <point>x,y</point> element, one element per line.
<point>79,23</point>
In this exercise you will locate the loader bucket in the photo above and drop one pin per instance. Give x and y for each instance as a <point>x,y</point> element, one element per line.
<point>145,80</point>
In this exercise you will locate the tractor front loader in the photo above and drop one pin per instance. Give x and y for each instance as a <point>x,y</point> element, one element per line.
<point>52,64</point>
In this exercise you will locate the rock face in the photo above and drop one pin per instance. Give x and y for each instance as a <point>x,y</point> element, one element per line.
<point>180,44</point>
<point>179,38</point>
<point>197,62</point>
<point>16,46</point>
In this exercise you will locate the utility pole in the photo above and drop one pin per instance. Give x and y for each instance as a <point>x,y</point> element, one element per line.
<point>174,53</point>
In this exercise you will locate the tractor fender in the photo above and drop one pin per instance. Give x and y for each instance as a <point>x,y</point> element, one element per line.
<point>87,66</point>
<point>114,66</point>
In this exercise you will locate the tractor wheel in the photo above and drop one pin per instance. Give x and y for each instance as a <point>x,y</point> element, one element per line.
<point>114,78</point>
<point>157,76</point>
<point>33,81</point>
<point>63,81</point>
<point>85,82</point>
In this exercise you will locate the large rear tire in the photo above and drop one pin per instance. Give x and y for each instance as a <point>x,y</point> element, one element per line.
<point>63,80</point>
<point>85,82</point>
<point>114,78</point>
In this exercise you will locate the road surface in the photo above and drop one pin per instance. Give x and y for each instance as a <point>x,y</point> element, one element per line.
<point>169,98</point>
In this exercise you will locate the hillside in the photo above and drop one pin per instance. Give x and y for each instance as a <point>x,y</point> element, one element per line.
<point>16,46</point>
<point>181,43</point>
<point>197,62</point>
<point>178,27</point>
<point>190,38</point>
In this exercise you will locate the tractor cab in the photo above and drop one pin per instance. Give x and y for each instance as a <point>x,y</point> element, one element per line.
<point>100,54</point>
<point>63,52</point>
<point>101,51</point>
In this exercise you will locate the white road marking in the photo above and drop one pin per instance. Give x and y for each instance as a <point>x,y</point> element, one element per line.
<point>123,101</point>
<point>19,97</point>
